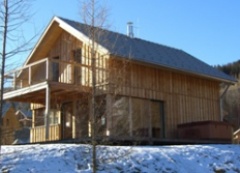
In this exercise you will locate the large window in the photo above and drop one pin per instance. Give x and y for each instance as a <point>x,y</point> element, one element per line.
<point>148,118</point>
<point>120,116</point>
<point>40,116</point>
<point>140,117</point>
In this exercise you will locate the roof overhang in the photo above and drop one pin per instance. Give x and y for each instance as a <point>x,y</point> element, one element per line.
<point>51,33</point>
<point>228,82</point>
<point>221,80</point>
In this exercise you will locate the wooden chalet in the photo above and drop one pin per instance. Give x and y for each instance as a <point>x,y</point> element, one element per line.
<point>144,90</point>
<point>9,124</point>
<point>12,121</point>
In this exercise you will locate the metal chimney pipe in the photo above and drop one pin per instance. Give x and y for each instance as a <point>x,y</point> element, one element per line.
<point>130,29</point>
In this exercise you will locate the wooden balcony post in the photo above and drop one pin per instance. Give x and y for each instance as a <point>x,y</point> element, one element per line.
<point>47,69</point>
<point>29,75</point>
<point>109,114</point>
<point>74,131</point>
<point>14,80</point>
<point>47,110</point>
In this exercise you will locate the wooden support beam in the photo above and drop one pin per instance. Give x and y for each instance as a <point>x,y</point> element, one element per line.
<point>29,75</point>
<point>47,69</point>
<point>47,110</point>
<point>14,80</point>
<point>74,128</point>
<point>109,114</point>
<point>33,118</point>
<point>130,117</point>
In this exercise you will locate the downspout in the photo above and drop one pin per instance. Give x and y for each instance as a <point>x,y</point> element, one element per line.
<point>221,101</point>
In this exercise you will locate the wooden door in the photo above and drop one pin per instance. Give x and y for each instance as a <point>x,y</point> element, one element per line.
<point>67,124</point>
<point>158,119</point>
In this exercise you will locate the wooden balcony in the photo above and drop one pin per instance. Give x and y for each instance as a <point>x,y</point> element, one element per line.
<point>38,133</point>
<point>29,83</point>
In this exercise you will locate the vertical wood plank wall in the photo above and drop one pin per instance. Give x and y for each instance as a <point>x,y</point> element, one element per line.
<point>187,98</point>
<point>64,47</point>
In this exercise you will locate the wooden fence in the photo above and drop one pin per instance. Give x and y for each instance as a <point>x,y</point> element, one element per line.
<point>38,133</point>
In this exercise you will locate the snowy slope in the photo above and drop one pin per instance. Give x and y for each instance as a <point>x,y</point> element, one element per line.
<point>69,158</point>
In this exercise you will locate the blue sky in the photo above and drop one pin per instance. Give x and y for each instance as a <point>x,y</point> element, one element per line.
<point>206,29</point>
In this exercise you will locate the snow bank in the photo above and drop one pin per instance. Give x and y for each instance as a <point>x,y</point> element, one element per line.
<point>70,158</point>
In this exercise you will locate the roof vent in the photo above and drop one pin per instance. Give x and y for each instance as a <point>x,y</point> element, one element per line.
<point>130,29</point>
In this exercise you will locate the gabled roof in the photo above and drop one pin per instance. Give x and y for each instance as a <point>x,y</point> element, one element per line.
<point>22,107</point>
<point>5,107</point>
<point>144,51</point>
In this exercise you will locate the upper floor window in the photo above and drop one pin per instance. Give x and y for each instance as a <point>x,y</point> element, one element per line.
<point>76,55</point>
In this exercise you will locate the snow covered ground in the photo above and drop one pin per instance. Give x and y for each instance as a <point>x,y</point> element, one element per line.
<point>70,158</point>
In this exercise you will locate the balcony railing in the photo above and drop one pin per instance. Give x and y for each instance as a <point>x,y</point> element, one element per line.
<point>48,70</point>
<point>38,133</point>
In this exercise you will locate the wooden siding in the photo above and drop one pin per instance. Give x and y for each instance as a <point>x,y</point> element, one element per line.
<point>187,98</point>
<point>64,47</point>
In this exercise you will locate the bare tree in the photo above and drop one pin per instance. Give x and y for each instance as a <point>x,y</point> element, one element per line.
<point>13,14</point>
<point>231,105</point>
<point>95,16</point>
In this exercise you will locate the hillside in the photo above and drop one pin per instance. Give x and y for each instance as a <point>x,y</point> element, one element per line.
<point>232,69</point>
<point>231,100</point>
<point>70,158</point>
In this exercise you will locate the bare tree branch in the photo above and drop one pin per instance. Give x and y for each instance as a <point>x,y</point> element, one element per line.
<point>13,14</point>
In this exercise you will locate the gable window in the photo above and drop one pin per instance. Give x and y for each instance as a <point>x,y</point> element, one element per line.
<point>76,58</point>
<point>55,69</point>
<point>76,55</point>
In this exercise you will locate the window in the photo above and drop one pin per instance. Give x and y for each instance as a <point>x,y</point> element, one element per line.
<point>39,117</point>
<point>53,116</point>
<point>55,69</point>
<point>140,117</point>
<point>120,116</point>
<point>76,55</point>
